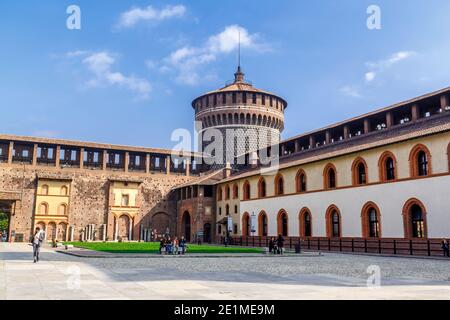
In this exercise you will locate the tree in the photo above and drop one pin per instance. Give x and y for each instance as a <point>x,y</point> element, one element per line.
<point>4,221</point>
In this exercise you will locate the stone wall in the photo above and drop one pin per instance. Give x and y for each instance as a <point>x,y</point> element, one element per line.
<point>89,196</point>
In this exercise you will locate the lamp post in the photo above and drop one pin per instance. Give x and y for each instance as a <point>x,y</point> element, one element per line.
<point>252,223</point>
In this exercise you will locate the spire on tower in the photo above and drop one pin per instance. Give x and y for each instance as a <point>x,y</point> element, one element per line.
<point>239,75</point>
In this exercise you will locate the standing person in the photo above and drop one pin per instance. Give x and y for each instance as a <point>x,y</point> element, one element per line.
<point>175,245</point>
<point>38,238</point>
<point>183,245</point>
<point>280,244</point>
<point>271,245</point>
<point>446,248</point>
<point>161,245</point>
<point>169,245</point>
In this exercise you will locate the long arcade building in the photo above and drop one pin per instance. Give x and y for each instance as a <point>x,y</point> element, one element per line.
<point>385,174</point>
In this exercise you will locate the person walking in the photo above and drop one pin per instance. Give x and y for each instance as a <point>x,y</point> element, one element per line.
<point>38,238</point>
<point>446,248</point>
<point>280,244</point>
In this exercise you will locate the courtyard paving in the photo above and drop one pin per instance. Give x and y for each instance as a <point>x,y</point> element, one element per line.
<point>329,276</point>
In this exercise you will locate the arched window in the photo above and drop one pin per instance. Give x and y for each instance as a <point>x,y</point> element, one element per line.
<point>417,223</point>
<point>43,208</point>
<point>420,161</point>
<point>387,166</point>
<point>227,192</point>
<point>300,181</point>
<point>279,185</point>
<point>414,219</point>
<point>246,190</point>
<point>235,191</point>
<point>305,223</point>
<point>219,194</point>
<point>329,176</point>
<point>263,224</point>
<point>262,188</point>
<point>333,219</point>
<point>282,223</point>
<point>64,191</point>
<point>62,209</point>
<point>359,171</point>
<point>44,190</point>
<point>371,226</point>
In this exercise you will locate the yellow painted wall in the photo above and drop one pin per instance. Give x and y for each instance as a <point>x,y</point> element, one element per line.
<point>119,189</point>
<point>54,198</point>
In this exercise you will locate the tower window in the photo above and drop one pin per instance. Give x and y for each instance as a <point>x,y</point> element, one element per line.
<point>224,98</point>
<point>234,97</point>
<point>254,98</point>
<point>244,97</point>
<point>263,99</point>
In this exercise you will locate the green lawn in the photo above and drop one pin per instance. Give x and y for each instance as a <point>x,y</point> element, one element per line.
<point>153,247</point>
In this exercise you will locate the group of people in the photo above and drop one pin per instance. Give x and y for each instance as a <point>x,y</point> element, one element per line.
<point>276,246</point>
<point>169,246</point>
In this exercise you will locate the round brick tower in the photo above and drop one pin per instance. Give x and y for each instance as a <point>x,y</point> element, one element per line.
<point>248,118</point>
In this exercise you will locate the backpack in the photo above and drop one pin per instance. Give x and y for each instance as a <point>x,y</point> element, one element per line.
<point>41,236</point>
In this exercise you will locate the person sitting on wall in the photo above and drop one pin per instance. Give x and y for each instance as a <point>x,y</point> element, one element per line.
<point>183,245</point>
<point>169,245</point>
<point>280,244</point>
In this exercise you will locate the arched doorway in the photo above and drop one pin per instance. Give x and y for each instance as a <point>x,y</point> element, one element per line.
<point>186,226</point>
<point>5,213</point>
<point>246,232</point>
<point>283,223</point>
<point>415,219</point>
<point>160,222</point>
<point>207,233</point>
<point>262,224</point>
<point>51,231</point>
<point>62,231</point>
<point>123,231</point>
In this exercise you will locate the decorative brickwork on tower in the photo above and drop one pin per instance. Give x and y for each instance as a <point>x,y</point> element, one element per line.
<point>248,118</point>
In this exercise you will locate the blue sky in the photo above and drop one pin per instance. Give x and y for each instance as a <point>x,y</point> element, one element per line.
<point>129,75</point>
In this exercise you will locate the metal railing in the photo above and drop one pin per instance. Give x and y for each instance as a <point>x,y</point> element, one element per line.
<point>387,246</point>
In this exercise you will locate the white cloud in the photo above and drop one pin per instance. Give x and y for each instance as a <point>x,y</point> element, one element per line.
<point>370,76</point>
<point>350,91</point>
<point>135,15</point>
<point>381,65</point>
<point>100,64</point>
<point>186,60</point>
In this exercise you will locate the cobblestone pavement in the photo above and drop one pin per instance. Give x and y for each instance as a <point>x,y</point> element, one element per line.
<point>330,276</point>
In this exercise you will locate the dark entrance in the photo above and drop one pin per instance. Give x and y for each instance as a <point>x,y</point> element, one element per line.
<point>186,226</point>
<point>5,218</point>
<point>207,233</point>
